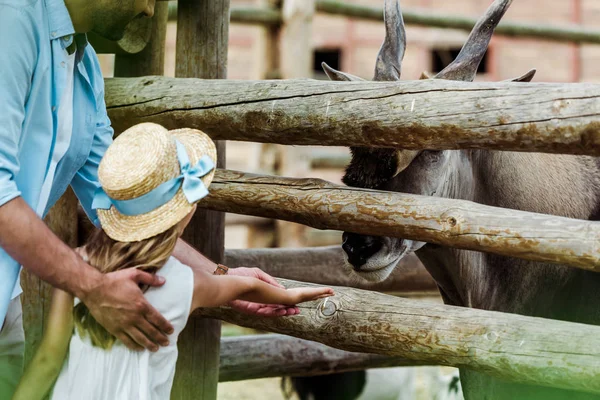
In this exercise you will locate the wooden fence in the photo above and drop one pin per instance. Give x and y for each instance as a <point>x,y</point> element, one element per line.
<point>559,118</point>
<point>508,346</point>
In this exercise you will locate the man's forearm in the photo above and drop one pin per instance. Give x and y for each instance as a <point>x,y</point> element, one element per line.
<point>30,242</point>
<point>191,257</point>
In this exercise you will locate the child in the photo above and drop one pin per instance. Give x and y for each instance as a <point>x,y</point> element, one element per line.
<point>151,179</point>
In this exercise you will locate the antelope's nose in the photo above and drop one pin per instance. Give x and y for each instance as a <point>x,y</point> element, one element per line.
<point>360,248</point>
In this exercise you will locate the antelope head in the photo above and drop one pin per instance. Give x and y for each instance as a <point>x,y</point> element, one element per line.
<point>419,172</point>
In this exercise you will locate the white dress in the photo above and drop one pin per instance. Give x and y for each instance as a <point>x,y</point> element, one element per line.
<point>92,373</point>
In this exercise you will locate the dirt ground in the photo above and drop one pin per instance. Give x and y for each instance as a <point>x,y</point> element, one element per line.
<point>258,389</point>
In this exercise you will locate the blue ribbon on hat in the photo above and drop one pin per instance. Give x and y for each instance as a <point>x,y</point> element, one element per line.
<point>189,180</point>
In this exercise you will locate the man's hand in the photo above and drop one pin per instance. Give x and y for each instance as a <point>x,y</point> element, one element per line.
<point>118,304</point>
<point>263,310</point>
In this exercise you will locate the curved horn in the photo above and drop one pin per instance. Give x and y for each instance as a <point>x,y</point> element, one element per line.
<point>336,75</point>
<point>527,77</point>
<point>464,67</point>
<point>389,59</point>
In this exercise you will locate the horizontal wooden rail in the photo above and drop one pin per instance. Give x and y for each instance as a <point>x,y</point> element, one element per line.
<point>508,346</point>
<point>269,16</point>
<point>325,266</point>
<point>448,222</point>
<point>427,18</point>
<point>267,356</point>
<point>243,15</point>
<point>322,159</point>
<point>433,114</point>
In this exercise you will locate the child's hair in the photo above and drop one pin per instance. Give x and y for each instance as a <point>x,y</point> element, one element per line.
<point>108,255</point>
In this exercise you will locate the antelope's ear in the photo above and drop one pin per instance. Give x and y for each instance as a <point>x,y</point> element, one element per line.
<point>336,75</point>
<point>524,78</point>
<point>425,75</point>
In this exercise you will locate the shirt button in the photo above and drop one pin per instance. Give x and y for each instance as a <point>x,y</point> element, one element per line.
<point>53,108</point>
<point>67,38</point>
<point>53,34</point>
<point>62,64</point>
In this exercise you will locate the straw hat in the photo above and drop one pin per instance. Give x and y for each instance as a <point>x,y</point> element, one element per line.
<point>140,159</point>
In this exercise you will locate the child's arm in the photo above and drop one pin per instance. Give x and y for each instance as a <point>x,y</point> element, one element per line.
<point>218,290</point>
<point>49,358</point>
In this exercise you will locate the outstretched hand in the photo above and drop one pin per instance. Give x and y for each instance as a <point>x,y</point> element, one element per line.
<point>118,304</point>
<point>302,294</point>
<point>263,310</point>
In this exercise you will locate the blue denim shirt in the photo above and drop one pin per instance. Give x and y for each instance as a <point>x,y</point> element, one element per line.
<point>33,37</point>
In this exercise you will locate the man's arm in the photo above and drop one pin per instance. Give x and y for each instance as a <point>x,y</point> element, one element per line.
<point>30,242</point>
<point>114,299</point>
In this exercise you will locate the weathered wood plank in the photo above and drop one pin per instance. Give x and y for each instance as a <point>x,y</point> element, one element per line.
<point>266,356</point>
<point>267,16</point>
<point>296,61</point>
<point>508,346</point>
<point>448,222</point>
<point>261,15</point>
<point>324,265</point>
<point>202,40</point>
<point>62,220</point>
<point>427,18</point>
<point>431,114</point>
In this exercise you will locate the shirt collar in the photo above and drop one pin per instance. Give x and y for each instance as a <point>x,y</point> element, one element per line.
<point>59,20</point>
<point>61,27</point>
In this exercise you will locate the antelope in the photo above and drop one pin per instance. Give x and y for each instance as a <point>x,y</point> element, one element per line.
<point>563,185</point>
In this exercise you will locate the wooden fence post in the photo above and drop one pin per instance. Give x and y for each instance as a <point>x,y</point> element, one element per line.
<point>202,44</point>
<point>296,59</point>
<point>62,220</point>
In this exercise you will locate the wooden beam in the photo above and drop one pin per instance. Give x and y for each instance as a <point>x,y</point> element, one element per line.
<point>326,160</point>
<point>447,222</point>
<point>238,219</point>
<point>62,220</point>
<point>430,19</point>
<point>296,61</point>
<point>267,16</point>
<point>430,114</point>
<point>202,41</point>
<point>150,60</point>
<point>508,346</point>
<point>267,356</point>
<point>325,266</point>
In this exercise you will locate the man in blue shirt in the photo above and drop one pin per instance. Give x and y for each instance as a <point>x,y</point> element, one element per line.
<point>53,132</point>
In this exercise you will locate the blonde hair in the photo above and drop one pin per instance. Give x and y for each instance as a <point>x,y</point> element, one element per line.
<point>108,255</point>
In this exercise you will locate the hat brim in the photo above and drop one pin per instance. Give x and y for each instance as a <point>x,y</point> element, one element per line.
<point>125,228</point>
